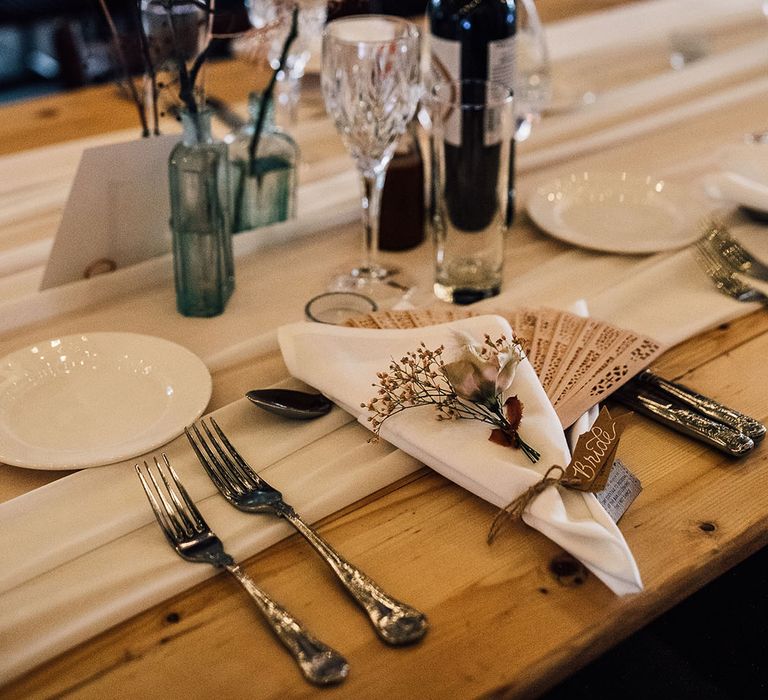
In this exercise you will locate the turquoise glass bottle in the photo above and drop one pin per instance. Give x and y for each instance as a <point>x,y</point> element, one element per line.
<point>265,193</point>
<point>202,242</point>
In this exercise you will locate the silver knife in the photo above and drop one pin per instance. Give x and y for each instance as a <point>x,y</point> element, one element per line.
<point>704,405</point>
<point>686,421</point>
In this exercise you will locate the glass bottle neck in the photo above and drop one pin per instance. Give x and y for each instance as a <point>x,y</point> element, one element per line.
<point>197,127</point>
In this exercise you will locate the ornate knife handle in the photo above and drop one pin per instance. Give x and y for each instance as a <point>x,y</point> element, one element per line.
<point>395,622</point>
<point>709,407</point>
<point>319,663</point>
<point>688,422</point>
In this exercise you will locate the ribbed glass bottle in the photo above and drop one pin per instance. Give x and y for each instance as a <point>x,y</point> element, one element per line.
<point>264,192</point>
<point>202,242</point>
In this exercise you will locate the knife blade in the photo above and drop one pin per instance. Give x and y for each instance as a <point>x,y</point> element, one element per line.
<point>685,421</point>
<point>704,405</point>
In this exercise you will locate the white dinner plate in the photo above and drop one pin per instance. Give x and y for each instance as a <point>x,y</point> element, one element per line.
<point>96,398</point>
<point>615,212</point>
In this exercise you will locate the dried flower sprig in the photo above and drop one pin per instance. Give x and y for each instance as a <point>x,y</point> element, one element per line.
<point>471,387</point>
<point>117,47</point>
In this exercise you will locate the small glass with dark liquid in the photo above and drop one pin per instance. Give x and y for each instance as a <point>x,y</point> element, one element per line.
<point>402,201</point>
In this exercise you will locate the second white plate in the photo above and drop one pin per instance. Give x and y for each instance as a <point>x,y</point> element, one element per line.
<point>96,398</point>
<point>614,212</point>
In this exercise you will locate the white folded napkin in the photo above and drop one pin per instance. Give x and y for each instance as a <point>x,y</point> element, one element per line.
<point>737,188</point>
<point>343,362</point>
<point>742,177</point>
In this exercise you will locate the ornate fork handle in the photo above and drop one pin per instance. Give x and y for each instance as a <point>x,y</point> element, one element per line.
<point>395,622</point>
<point>318,662</point>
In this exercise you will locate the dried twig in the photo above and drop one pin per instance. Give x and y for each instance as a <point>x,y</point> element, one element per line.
<point>124,65</point>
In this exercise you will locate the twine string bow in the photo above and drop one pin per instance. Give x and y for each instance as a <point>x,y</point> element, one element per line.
<point>513,511</point>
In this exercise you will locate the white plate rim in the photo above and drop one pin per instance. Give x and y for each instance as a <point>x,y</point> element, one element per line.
<point>198,380</point>
<point>540,210</point>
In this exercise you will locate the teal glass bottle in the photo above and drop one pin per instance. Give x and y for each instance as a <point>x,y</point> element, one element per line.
<point>202,242</point>
<point>266,192</point>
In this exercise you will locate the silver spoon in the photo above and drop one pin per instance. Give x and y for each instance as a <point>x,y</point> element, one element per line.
<point>290,403</point>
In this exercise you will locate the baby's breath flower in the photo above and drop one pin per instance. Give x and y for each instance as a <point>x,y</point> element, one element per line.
<point>469,388</point>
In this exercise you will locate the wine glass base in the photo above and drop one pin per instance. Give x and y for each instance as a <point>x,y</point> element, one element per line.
<point>374,272</point>
<point>378,284</point>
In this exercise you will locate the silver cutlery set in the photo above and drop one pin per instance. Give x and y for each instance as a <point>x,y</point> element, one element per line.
<point>691,413</point>
<point>185,528</point>
<point>725,261</point>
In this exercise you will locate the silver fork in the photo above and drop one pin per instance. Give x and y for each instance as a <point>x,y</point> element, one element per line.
<point>722,243</point>
<point>395,622</point>
<point>193,540</point>
<point>724,277</point>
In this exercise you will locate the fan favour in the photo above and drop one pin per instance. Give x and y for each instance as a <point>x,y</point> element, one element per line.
<point>579,361</point>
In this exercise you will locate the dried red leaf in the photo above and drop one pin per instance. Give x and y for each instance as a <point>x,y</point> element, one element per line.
<point>500,438</point>
<point>513,407</point>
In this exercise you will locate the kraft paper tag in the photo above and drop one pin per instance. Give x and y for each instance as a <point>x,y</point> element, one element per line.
<point>591,469</point>
<point>622,489</point>
<point>593,458</point>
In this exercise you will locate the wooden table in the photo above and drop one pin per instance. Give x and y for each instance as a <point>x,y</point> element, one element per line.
<point>508,620</point>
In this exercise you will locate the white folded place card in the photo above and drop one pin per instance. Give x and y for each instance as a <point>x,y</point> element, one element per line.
<point>117,212</point>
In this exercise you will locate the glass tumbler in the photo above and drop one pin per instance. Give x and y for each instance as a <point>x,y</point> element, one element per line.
<point>470,145</point>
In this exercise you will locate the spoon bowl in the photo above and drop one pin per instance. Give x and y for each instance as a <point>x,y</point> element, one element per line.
<point>289,403</point>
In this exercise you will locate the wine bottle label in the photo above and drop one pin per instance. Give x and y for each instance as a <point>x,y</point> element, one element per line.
<point>501,69</point>
<point>446,66</point>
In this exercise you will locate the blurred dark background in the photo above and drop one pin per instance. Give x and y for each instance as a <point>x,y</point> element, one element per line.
<point>52,45</point>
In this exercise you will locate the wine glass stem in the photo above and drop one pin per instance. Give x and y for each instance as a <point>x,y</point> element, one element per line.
<point>373,184</point>
<point>288,92</point>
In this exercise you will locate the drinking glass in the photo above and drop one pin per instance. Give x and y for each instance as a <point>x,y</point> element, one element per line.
<point>311,19</point>
<point>533,74</point>
<point>370,82</point>
<point>470,141</point>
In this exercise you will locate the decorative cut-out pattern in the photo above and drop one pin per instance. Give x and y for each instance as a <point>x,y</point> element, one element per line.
<point>580,361</point>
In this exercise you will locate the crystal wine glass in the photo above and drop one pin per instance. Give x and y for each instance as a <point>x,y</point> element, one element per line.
<point>370,82</point>
<point>533,76</point>
<point>311,19</point>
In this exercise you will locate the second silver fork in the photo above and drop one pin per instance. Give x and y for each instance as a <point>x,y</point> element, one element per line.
<point>724,277</point>
<point>395,622</point>
<point>192,538</point>
<point>733,254</point>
